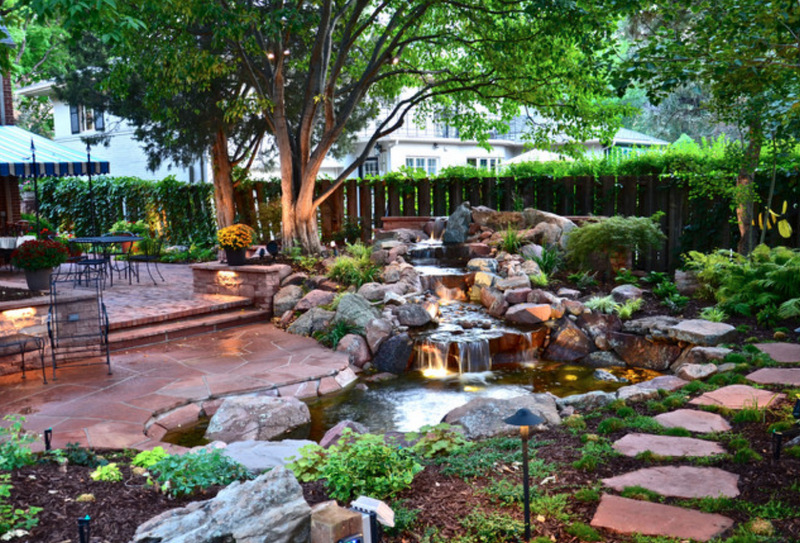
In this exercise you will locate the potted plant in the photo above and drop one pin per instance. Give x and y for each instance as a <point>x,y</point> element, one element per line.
<point>138,228</point>
<point>235,240</point>
<point>614,240</point>
<point>38,257</point>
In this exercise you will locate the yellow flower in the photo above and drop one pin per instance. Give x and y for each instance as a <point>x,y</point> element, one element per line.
<point>237,236</point>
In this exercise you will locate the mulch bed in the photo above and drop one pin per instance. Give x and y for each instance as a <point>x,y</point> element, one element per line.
<point>10,294</point>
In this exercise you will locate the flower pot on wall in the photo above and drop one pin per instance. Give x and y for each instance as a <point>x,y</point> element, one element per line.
<point>236,257</point>
<point>38,279</point>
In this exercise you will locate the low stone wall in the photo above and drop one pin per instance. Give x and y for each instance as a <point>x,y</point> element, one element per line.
<point>29,316</point>
<point>259,283</point>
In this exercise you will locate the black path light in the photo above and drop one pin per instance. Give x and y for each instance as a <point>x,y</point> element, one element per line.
<point>91,191</point>
<point>84,529</point>
<point>48,439</point>
<point>524,418</point>
<point>779,436</point>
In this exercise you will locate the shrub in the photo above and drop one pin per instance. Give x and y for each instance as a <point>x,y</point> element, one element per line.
<point>626,277</point>
<point>436,440</point>
<point>713,314</point>
<point>614,235</point>
<point>187,474</point>
<point>38,254</point>
<point>109,472</point>
<point>550,261</point>
<point>353,271</point>
<point>584,532</point>
<point>14,450</point>
<point>146,459</point>
<point>79,456</point>
<point>14,519</point>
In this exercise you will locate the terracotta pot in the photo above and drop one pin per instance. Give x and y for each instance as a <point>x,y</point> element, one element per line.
<point>236,257</point>
<point>620,259</point>
<point>38,279</point>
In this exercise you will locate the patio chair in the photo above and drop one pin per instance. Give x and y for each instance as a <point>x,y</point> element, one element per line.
<point>151,254</point>
<point>19,343</point>
<point>119,254</point>
<point>77,322</point>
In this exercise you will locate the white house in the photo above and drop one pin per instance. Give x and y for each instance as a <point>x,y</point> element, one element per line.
<point>123,151</point>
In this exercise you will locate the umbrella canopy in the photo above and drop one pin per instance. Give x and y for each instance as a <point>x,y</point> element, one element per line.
<point>52,159</point>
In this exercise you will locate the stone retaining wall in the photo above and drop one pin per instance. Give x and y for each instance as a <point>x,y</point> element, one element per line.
<point>259,283</point>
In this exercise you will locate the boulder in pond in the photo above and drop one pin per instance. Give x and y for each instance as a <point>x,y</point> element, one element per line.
<point>641,352</point>
<point>356,348</point>
<point>458,225</point>
<point>567,343</point>
<point>253,417</point>
<point>483,418</point>
<point>270,508</point>
<point>261,456</point>
<point>394,354</point>
<point>377,331</point>
<point>412,315</point>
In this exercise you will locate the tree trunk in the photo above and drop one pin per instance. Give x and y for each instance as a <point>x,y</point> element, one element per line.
<point>745,190</point>
<point>223,181</point>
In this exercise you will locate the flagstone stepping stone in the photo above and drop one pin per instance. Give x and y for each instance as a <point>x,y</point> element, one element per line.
<point>626,516</point>
<point>776,376</point>
<point>702,332</point>
<point>633,444</point>
<point>785,353</point>
<point>680,481</point>
<point>737,397</point>
<point>694,421</point>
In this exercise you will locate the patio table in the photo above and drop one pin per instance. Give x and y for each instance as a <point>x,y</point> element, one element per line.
<point>100,246</point>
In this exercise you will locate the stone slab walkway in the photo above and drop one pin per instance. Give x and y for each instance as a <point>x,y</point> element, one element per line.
<point>626,516</point>
<point>633,444</point>
<point>776,376</point>
<point>680,481</point>
<point>87,406</point>
<point>784,353</point>
<point>737,397</point>
<point>694,421</point>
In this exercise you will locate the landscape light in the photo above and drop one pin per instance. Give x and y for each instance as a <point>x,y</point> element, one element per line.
<point>84,529</point>
<point>524,418</point>
<point>271,55</point>
<point>48,438</point>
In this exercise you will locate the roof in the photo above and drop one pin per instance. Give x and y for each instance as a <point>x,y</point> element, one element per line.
<point>16,157</point>
<point>628,136</point>
<point>40,88</point>
<point>534,155</point>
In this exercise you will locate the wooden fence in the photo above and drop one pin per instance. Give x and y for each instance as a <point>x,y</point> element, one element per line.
<point>359,206</point>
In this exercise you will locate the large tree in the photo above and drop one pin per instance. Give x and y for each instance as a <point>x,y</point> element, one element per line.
<point>746,53</point>
<point>310,66</point>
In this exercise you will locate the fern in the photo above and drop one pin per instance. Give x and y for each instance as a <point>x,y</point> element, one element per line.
<point>789,309</point>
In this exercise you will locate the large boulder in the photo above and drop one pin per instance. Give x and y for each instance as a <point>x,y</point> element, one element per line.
<point>333,435</point>
<point>623,293</point>
<point>496,220</point>
<point>487,265</point>
<point>314,320</point>
<point>599,324</point>
<point>251,417</point>
<point>515,282</point>
<point>377,331</point>
<point>356,348</point>
<point>394,354</point>
<point>356,310</point>
<point>641,352</point>
<point>702,332</point>
<point>567,343</point>
<point>483,417</point>
<point>655,326</point>
<point>270,508</point>
<point>413,315</point>
<point>458,225</point>
<point>528,313</point>
<point>374,292</point>
<point>286,299</point>
<point>315,298</point>
<point>260,456</point>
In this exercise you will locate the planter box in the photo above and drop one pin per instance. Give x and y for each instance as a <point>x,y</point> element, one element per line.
<point>258,283</point>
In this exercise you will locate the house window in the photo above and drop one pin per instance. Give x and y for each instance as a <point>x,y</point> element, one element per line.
<point>491,164</point>
<point>370,167</point>
<point>429,164</point>
<point>82,119</point>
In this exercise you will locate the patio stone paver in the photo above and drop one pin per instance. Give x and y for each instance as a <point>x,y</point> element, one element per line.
<point>680,481</point>
<point>776,376</point>
<point>633,444</point>
<point>626,516</point>
<point>693,421</point>
<point>737,397</point>
<point>785,353</point>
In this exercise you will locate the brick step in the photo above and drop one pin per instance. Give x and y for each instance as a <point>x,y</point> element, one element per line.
<point>192,326</point>
<point>205,309</point>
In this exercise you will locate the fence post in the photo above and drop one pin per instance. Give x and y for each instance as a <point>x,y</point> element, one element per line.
<point>456,193</point>
<point>440,198</point>
<point>365,201</point>
<point>409,198</point>
<point>380,202</point>
<point>424,195</point>
<point>352,201</point>
<point>488,192</point>
<point>394,200</point>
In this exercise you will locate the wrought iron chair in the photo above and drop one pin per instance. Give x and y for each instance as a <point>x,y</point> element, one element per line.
<point>150,254</point>
<point>78,325</point>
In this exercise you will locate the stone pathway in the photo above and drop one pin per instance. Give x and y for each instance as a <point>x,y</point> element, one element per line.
<point>633,444</point>
<point>701,422</point>
<point>784,353</point>
<point>738,397</point>
<point>680,481</point>
<point>776,376</point>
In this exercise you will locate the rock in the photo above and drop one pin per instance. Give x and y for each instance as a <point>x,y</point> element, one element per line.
<point>356,310</point>
<point>314,320</point>
<point>570,293</point>
<point>377,331</point>
<point>483,417</point>
<point>260,456</point>
<point>392,298</point>
<point>356,348</point>
<point>567,343</point>
<point>531,251</point>
<point>373,292</point>
<point>529,314</point>
<point>603,359</point>
<point>533,217</point>
<point>530,267</point>
<point>484,279</point>
<point>686,282</point>
<point>546,234</point>
<point>603,375</point>
<point>656,326</point>
<point>396,252</point>
<point>634,444</point>
<point>641,352</point>
<point>539,296</point>
<point>315,298</point>
<point>391,274</point>
<point>270,508</point>
<point>516,282</point>
<point>496,220</point>
<point>394,354</point>
<point>242,418</point>
<point>488,265</point>
<point>693,372</point>
<point>702,332</point>
<point>296,278</point>
<point>602,343</point>
<point>679,481</point>
<point>412,315</point>
<point>286,318</point>
<point>693,420</point>
<point>647,390</point>
<point>332,436</point>
<point>599,324</point>
<point>479,250</point>
<point>458,225</point>
<point>623,293</point>
<point>379,257</point>
<point>286,299</point>
<point>588,401</point>
<point>738,397</point>
<point>701,355</point>
<point>516,295</point>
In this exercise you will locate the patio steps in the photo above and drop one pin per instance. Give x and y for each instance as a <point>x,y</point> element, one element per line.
<point>175,326</point>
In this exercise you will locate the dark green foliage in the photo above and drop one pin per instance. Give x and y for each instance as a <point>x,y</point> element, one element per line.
<point>504,492</point>
<point>334,333</point>
<point>14,450</point>
<point>481,458</point>
<point>437,440</point>
<point>677,432</point>
<point>349,270</point>
<point>511,241</point>
<point>550,261</point>
<point>491,528</point>
<point>81,456</point>
<point>610,425</point>
<point>640,493</point>
<point>404,519</point>
<point>191,472</point>
<point>584,532</point>
<point>12,518</point>
<point>587,495</point>
<point>612,235</point>
<point>626,277</point>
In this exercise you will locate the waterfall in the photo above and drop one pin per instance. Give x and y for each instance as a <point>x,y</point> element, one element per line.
<point>474,356</point>
<point>432,358</point>
<point>470,357</point>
